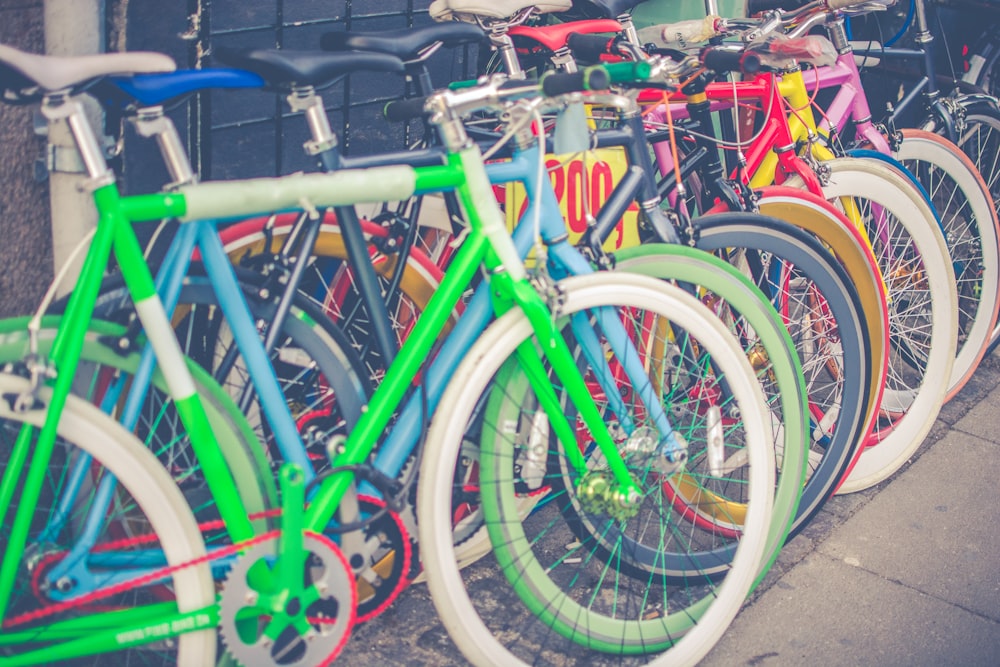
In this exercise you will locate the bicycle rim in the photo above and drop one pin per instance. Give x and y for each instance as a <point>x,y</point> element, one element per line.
<point>965,206</point>
<point>543,557</point>
<point>821,312</point>
<point>923,312</point>
<point>146,495</point>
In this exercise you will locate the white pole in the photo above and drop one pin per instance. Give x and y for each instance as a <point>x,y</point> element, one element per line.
<point>72,27</point>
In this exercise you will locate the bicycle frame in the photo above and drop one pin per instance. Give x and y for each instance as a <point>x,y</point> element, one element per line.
<point>522,168</point>
<point>771,157</point>
<point>487,244</point>
<point>926,87</point>
<point>200,238</point>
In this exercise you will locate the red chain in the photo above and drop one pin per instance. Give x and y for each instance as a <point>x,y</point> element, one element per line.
<point>147,578</point>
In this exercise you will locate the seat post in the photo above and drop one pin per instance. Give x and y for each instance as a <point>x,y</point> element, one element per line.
<point>628,28</point>
<point>152,122</point>
<point>305,99</point>
<point>60,106</point>
<point>505,47</point>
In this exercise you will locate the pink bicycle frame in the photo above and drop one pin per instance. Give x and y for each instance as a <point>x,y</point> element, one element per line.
<point>850,102</point>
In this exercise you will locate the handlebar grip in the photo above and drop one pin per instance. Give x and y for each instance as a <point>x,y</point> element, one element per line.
<point>591,78</point>
<point>589,47</point>
<point>628,72</point>
<point>751,63</point>
<point>400,111</point>
<point>459,85</point>
<point>726,60</point>
<point>754,7</point>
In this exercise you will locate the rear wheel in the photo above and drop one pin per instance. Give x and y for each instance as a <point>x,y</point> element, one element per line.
<point>329,283</point>
<point>319,375</point>
<point>760,330</point>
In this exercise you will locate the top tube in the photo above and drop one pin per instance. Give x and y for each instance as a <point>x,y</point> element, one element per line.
<point>239,199</point>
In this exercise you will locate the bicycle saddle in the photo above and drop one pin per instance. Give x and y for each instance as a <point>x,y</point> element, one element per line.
<point>608,9</point>
<point>469,10</point>
<point>283,67</point>
<point>554,37</point>
<point>406,44</point>
<point>58,73</point>
<point>150,89</point>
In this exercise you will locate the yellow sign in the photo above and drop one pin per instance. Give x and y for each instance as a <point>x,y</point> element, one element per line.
<point>604,168</point>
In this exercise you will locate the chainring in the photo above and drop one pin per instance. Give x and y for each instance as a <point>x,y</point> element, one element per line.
<point>388,569</point>
<point>325,609</point>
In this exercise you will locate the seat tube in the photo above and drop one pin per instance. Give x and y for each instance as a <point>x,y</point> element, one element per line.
<point>324,146</point>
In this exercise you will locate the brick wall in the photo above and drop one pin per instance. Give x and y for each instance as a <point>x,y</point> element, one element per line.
<point>25,239</point>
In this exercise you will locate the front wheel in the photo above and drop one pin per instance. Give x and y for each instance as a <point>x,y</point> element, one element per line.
<point>969,223</point>
<point>582,578</point>
<point>821,310</point>
<point>739,302</point>
<point>923,312</point>
<point>979,139</point>
<point>147,499</point>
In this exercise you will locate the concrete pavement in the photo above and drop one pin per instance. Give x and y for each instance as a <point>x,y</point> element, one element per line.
<point>906,573</point>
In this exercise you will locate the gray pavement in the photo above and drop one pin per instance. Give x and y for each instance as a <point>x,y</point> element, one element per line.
<point>906,573</point>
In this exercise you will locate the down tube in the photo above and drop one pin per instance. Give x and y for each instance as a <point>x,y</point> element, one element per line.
<point>237,313</point>
<point>541,201</point>
<point>402,438</point>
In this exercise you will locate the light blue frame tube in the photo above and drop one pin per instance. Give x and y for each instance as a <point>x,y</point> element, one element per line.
<point>523,168</point>
<point>403,438</point>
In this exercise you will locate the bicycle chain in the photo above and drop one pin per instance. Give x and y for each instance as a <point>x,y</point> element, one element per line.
<point>391,565</point>
<point>147,578</point>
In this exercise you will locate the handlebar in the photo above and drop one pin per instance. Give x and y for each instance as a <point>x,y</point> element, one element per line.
<point>803,14</point>
<point>720,59</point>
<point>754,7</point>
<point>590,78</point>
<point>779,53</point>
<point>497,90</point>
